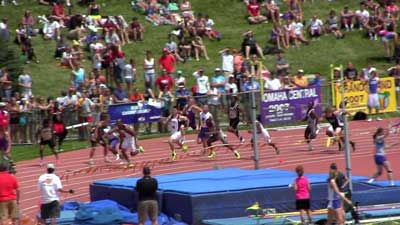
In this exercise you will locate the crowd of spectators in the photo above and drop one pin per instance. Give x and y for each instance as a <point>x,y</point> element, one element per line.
<point>112,78</point>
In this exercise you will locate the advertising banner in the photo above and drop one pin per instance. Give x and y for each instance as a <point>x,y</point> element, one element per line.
<point>132,113</point>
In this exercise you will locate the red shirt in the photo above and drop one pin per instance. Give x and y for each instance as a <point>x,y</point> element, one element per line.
<point>253,9</point>
<point>167,62</point>
<point>57,10</point>
<point>164,80</point>
<point>8,187</point>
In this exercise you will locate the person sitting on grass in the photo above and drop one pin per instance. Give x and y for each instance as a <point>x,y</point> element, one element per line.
<point>315,27</point>
<point>332,25</point>
<point>199,48</point>
<point>272,10</point>
<point>346,18</point>
<point>136,30</point>
<point>250,45</point>
<point>362,16</point>
<point>253,9</point>
<point>277,36</point>
<point>297,28</point>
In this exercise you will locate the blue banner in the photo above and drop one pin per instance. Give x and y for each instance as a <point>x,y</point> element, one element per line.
<point>133,113</point>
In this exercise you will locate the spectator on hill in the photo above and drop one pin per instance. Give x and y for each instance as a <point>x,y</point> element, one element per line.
<point>185,48</point>
<point>94,9</point>
<point>273,11</point>
<point>52,30</point>
<point>130,74</point>
<point>4,32</point>
<point>185,6</point>
<point>219,81</point>
<point>332,25</point>
<point>315,27</point>
<point>297,28</point>
<point>28,22</point>
<point>58,12</point>
<point>362,16</point>
<point>278,37</point>
<point>182,95</point>
<point>77,76</point>
<point>254,67</point>
<point>227,61</point>
<point>173,48</point>
<point>199,48</point>
<point>281,65</point>
<point>203,85</point>
<point>300,80</point>
<point>253,10</point>
<point>393,9</point>
<point>149,68</point>
<point>166,80</point>
<point>350,73</point>
<point>273,83</point>
<point>61,46</point>
<point>317,81</point>
<point>147,206</point>
<point>6,84</point>
<point>250,45</point>
<point>346,18</point>
<point>9,196</point>
<point>167,61</point>
<point>373,26</point>
<point>5,2</point>
<point>25,84</point>
<point>180,79</point>
<point>120,95</point>
<point>136,96</point>
<point>295,9</point>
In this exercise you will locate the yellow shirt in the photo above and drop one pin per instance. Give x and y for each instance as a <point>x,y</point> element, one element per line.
<point>300,81</point>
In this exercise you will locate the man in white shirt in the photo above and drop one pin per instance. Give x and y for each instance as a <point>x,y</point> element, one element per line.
<point>272,83</point>
<point>50,186</point>
<point>362,16</point>
<point>227,61</point>
<point>203,85</point>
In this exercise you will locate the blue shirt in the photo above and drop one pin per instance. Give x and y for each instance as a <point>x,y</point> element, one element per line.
<point>248,87</point>
<point>373,85</point>
<point>379,145</point>
<point>219,79</point>
<point>79,77</point>
<point>120,94</point>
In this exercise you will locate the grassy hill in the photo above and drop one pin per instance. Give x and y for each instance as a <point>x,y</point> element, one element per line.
<point>229,16</point>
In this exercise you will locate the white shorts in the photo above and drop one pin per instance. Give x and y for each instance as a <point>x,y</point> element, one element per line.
<point>177,137</point>
<point>129,143</point>
<point>373,101</point>
<point>266,136</point>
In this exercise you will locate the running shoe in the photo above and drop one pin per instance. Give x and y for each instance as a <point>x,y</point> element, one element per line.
<point>328,142</point>
<point>378,118</point>
<point>130,165</point>
<point>134,152</point>
<point>174,156</point>
<point>117,157</point>
<point>141,149</point>
<point>241,139</point>
<point>277,151</point>
<point>184,148</point>
<point>310,148</point>
<point>353,146</point>
<point>212,154</point>
<point>237,154</point>
<point>107,160</point>
<point>369,119</point>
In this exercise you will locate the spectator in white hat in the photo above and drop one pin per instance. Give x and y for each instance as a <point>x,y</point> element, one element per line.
<point>300,80</point>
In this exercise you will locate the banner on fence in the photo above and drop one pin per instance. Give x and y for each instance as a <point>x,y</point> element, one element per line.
<point>356,95</point>
<point>289,105</point>
<point>132,113</point>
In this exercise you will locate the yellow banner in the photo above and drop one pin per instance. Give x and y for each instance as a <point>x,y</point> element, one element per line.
<point>356,95</point>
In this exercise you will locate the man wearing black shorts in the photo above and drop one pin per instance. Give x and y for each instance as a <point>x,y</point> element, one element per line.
<point>50,186</point>
<point>234,113</point>
<point>215,134</point>
<point>45,136</point>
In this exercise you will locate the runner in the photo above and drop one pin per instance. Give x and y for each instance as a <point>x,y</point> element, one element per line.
<point>335,130</point>
<point>45,137</point>
<point>312,128</point>
<point>265,134</point>
<point>98,136</point>
<point>380,156</point>
<point>177,126</point>
<point>203,133</point>
<point>216,134</point>
<point>128,141</point>
<point>234,112</point>
<point>190,111</point>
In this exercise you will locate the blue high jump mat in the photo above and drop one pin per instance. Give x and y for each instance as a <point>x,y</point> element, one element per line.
<point>219,193</point>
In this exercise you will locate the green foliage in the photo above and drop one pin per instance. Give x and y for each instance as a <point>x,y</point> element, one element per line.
<point>9,59</point>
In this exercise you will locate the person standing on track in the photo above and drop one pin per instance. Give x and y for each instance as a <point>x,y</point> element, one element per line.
<point>335,210</point>
<point>49,185</point>
<point>380,156</point>
<point>45,136</point>
<point>128,141</point>
<point>177,126</point>
<point>261,130</point>
<point>312,128</point>
<point>9,196</point>
<point>373,97</point>
<point>234,112</point>
<point>216,134</point>
<point>302,187</point>
<point>99,136</point>
<point>335,130</point>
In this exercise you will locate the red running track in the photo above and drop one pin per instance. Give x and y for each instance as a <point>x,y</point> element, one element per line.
<point>293,152</point>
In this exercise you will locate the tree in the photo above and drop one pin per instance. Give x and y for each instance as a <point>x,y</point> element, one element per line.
<point>9,59</point>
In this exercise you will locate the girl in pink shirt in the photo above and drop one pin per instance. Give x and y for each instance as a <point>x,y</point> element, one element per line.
<point>302,188</point>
